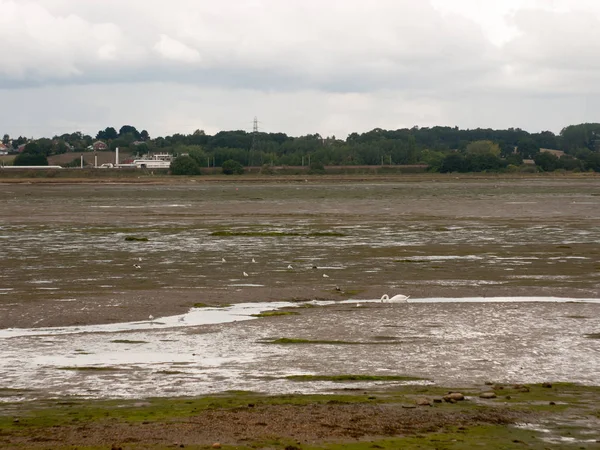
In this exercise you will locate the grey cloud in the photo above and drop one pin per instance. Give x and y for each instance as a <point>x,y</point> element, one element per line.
<point>340,46</point>
<point>307,66</point>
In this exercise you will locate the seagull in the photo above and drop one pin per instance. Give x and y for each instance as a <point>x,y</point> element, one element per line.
<point>289,266</point>
<point>325,275</point>
<point>151,318</point>
<point>337,288</point>
<point>253,260</point>
<point>223,260</point>
<point>137,266</point>
<point>140,259</point>
<point>245,274</point>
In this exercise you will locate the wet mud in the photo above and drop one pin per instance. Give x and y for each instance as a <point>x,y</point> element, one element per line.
<point>66,262</point>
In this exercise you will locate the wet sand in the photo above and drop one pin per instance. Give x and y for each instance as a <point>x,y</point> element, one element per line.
<point>65,260</point>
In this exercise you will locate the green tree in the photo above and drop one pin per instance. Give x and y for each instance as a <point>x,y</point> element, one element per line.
<point>184,165</point>
<point>546,161</point>
<point>433,159</point>
<point>515,159</point>
<point>60,147</point>
<point>546,139</point>
<point>584,135</point>
<point>568,162</point>
<point>231,167</point>
<point>129,130</point>
<point>483,162</point>
<point>506,149</point>
<point>196,152</point>
<point>44,145</point>
<point>454,162</point>
<point>5,139</point>
<point>107,134</point>
<point>592,162</point>
<point>19,141</point>
<point>316,167</point>
<point>141,149</point>
<point>527,148</point>
<point>32,155</point>
<point>483,147</point>
<point>30,159</point>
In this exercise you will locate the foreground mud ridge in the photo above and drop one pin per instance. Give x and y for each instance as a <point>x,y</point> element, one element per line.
<point>494,416</point>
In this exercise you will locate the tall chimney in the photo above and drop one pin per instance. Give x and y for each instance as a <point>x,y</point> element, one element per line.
<point>117,157</point>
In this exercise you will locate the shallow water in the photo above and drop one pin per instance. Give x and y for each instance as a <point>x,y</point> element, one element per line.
<point>447,340</point>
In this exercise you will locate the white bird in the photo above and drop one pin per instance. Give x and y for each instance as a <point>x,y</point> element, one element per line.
<point>223,260</point>
<point>137,266</point>
<point>245,274</point>
<point>289,266</point>
<point>395,299</point>
<point>151,317</point>
<point>253,260</point>
<point>325,275</point>
<point>140,259</point>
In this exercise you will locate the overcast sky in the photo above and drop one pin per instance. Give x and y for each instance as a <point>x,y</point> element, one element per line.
<point>302,66</point>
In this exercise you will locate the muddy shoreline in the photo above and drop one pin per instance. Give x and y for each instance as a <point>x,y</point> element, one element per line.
<point>138,307</point>
<point>66,261</point>
<point>532,416</point>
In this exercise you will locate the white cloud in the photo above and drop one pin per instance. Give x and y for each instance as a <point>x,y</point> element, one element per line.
<point>172,49</point>
<point>39,46</point>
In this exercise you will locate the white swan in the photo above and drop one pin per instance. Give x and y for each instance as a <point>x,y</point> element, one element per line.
<point>395,299</point>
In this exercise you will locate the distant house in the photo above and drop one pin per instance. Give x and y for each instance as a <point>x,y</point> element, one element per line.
<point>99,146</point>
<point>3,149</point>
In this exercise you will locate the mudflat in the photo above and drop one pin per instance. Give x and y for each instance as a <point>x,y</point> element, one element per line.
<point>82,254</point>
<point>100,253</point>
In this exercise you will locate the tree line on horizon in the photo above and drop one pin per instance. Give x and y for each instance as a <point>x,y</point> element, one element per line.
<point>442,149</point>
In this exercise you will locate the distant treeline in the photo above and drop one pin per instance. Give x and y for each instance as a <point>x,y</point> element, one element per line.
<point>443,149</point>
